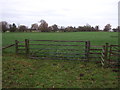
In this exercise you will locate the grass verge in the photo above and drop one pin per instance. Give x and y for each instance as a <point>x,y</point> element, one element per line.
<point>21,72</point>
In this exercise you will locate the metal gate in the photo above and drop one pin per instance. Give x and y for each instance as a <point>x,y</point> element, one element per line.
<point>57,49</point>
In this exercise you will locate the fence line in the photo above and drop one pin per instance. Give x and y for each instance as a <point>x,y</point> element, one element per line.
<point>57,41</point>
<point>8,46</point>
<point>114,52</point>
<point>55,45</point>
<point>106,51</point>
<point>28,49</point>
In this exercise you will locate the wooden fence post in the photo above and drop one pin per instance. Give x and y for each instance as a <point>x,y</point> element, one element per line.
<point>87,50</point>
<point>106,53</point>
<point>103,55</point>
<point>16,46</point>
<point>106,49</point>
<point>110,53</point>
<point>27,47</point>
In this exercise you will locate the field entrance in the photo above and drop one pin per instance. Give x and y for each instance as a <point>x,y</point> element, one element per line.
<point>60,50</point>
<point>67,50</point>
<point>57,49</point>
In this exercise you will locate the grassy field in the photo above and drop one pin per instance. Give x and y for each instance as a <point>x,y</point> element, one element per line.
<point>21,72</point>
<point>96,38</point>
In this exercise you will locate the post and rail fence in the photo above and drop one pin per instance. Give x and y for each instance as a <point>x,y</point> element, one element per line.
<point>83,52</point>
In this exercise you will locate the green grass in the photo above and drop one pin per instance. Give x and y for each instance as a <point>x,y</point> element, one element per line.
<point>96,38</point>
<point>20,72</point>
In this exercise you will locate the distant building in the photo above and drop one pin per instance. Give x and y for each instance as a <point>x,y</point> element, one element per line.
<point>116,29</point>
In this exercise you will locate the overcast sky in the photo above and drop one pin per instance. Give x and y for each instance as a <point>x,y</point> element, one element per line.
<point>60,12</point>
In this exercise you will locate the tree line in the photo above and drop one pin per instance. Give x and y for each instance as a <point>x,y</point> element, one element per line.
<point>43,27</point>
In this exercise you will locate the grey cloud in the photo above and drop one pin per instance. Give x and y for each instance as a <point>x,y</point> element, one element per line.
<point>26,12</point>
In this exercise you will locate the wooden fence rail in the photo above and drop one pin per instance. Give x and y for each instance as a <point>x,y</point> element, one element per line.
<point>55,45</point>
<point>8,46</point>
<point>104,52</point>
<point>28,48</point>
<point>57,41</point>
<point>114,52</point>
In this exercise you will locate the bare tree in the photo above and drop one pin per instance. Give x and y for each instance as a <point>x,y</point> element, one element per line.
<point>69,29</point>
<point>4,26</point>
<point>62,29</point>
<point>116,29</point>
<point>22,28</point>
<point>54,28</point>
<point>97,28</point>
<point>34,26</point>
<point>50,28</point>
<point>107,27</point>
<point>13,27</point>
<point>43,27</point>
